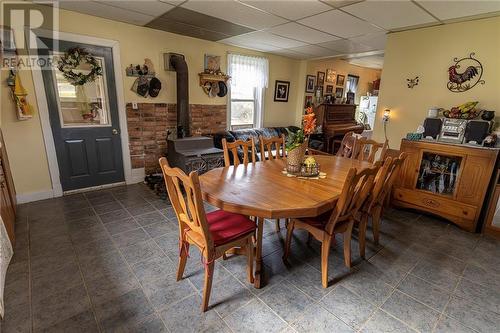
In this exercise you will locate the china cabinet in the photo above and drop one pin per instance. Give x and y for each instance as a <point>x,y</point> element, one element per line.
<point>448,180</point>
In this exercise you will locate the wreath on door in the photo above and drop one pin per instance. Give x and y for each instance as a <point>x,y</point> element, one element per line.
<point>71,59</point>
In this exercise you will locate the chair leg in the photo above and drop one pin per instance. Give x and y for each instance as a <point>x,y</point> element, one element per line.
<point>362,235</point>
<point>277,225</point>
<point>250,261</point>
<point>377,212</point>
<point>183,255</point>
<point>289,233</point>
<point>347,244</point>
<point>209,273</point>
<point>325,251</point>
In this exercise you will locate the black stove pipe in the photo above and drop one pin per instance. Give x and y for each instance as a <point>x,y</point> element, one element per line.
<point>181,69</point>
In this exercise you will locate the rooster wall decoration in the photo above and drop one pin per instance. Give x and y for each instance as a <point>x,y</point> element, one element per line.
<point>465,74</point>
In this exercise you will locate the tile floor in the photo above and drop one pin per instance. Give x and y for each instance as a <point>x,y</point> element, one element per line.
<point>106,261</point>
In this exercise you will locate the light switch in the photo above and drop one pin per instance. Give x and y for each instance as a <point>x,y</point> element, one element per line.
<point>134,105</point>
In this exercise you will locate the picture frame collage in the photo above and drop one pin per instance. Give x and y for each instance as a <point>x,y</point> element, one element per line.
<point>327,86</point>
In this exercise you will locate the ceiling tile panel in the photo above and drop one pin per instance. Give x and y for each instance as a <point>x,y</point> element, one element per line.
<point>297,31</point>
<point>339,24</point>
<point>268,38</point>
<point>446,10</point>
<point>185,29</point>
<point>105,11</point>
<point>235,12</point>
<point>345,46</point>
<point>153,8</point>
<point>292,10</point>
<point>314,51</point>
<point>390,14</point>
<point>249,43</point>
<point>291,54</point>
<point>376,41</point>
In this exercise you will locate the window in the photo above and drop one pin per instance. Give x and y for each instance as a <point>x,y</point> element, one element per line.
<point>249,77</point>
<point>352,83</point>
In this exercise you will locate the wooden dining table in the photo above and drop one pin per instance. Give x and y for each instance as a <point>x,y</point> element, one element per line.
<point>262,190</point>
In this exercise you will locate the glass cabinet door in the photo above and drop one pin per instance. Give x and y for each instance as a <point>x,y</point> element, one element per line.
<point>438,173</point>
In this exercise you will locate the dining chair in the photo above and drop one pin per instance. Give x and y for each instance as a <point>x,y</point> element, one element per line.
<point>339,220</point>
<point>239,147</point>
<point>366,150</point>
<point>347,145</point>
<point>212,233</point>
<point>374,205</point>
<point>270,149</point>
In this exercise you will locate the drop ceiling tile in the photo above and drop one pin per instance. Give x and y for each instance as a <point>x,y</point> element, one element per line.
<point>314,51</point>
<point>292,10</point>
<point>185,29</point>
<point>376,41</point>
<point>275,40</point>
<point>235,12</point>
<point>345,46</point>
<point>375,61</point>
<point>291,54</point>
<point>190,17</point>
<point>153,8</point>
<point>390,14</point>
<point>339,24</point>
<point>302,33</point>
<point>249,43</point>
<point>446,10</point>
<point>105,11</point>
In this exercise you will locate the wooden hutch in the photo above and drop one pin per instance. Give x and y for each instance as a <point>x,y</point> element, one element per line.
<point>448,180</point>
<point>337,120</point>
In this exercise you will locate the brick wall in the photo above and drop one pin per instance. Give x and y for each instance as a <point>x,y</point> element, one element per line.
<point>148,125</point>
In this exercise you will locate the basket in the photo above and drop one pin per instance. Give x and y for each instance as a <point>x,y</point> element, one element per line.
<point>295,158</point>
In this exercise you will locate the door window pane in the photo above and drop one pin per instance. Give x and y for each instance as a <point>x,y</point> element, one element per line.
<point>242,112</point>
<point>84,105</point>
<point>438,173</point>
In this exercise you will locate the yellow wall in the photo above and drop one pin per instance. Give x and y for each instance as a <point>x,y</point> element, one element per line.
<point>24,140</point>
<point>342,67</point>
<point>428,53</point>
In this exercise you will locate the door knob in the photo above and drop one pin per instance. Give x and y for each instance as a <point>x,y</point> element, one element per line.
<point>114,131</point>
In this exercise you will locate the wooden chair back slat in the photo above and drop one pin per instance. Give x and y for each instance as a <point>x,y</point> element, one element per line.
<point>276,143</point>
<point>185,195</point>
<point>247,147</point>
<point>366,150</point>
<point>355,191</point>
<point>347,145</point>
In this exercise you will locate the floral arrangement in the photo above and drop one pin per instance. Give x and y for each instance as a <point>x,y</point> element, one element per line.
<point>308,128</point>
<point>72,59</point>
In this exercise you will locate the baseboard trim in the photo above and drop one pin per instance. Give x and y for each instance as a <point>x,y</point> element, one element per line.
<point>136,176</point>
<point>34,196</point>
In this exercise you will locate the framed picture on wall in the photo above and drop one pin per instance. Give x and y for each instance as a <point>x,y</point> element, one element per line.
<point>330,75</point>
<point>281,91</point>
<point>321,79</point>
<point>329,89</point>
<point>340,80</point>
<point>310,83</point>
<point>308,101</point>
<point>339,92</point>
<point>212,63</point>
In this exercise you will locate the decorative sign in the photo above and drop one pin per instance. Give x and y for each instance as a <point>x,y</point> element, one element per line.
<point>412,82</point>
<point>465,74</point>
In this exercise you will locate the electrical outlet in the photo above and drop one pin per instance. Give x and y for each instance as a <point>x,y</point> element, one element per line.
<point>134,105</point>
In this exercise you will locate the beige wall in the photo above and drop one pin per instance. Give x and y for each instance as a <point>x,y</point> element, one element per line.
<point>342,67</point>
<point>24,139</point>
<point>428,53</point>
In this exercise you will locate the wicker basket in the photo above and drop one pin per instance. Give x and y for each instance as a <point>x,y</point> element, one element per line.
<point>295,158</point>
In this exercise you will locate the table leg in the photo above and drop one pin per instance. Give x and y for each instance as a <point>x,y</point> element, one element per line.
<point>258,254</point>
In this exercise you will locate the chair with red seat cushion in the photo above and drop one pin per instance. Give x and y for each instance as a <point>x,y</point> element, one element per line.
<point>339,220</point>
<point>213,233</point>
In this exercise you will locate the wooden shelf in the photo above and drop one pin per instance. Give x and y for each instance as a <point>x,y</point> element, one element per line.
<point>204,77</point>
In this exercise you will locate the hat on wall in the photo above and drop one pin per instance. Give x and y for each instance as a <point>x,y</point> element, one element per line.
<point>222,89</point>
<point>154,87</point>
<point>142,86</point>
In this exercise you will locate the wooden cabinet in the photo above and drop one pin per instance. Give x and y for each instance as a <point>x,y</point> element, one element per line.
<point>447,180</point>
<point>7,193</point>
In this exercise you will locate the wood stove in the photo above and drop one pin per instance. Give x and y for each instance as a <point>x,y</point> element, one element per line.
<point>196,153</point>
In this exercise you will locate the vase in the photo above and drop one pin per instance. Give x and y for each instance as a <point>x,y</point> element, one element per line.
<point>295,157</point>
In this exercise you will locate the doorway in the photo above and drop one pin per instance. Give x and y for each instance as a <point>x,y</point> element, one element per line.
<point>84,119</point>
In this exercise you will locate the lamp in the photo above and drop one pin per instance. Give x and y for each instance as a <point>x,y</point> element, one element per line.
<point>385,119</point>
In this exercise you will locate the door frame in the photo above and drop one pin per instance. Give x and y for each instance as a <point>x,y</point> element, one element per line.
<point>44,111</point>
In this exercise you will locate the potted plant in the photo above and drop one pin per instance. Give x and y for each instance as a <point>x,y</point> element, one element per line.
<point>297,142</point>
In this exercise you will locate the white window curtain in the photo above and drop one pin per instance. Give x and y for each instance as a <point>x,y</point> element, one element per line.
<point>252,72</point>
